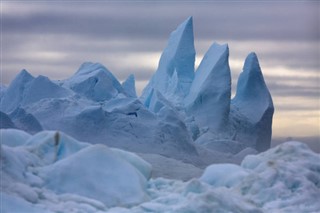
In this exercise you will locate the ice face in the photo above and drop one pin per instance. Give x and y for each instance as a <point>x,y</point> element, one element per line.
<point>176,66</point>
<point>25,121</point>
<point>129,86</point>
<point>209,97</point>
<point>95,82</point>
<point>254,103</point>
<point>26,89</point>
<point>14,94</point>
<point>42,87</point>
<point>5,121</point>
<point>252,91</point>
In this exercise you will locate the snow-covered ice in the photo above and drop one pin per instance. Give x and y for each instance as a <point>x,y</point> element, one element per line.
<point>52,172</point>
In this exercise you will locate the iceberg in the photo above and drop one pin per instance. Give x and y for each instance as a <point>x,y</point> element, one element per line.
<point>212,118</point>
<point>13,95</point>
<point>252,95</point>
<point>129,86</point>
<point>175,72</point>
<point>26,89</point>
<point>180,114</point>
<point>95,82</point>
<point>209,97</point>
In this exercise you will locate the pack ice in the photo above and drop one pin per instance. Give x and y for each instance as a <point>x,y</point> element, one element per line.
<point>53,172</point>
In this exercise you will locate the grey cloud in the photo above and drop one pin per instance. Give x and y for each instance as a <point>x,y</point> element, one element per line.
<point>236,20</point>
<point>283,90</point>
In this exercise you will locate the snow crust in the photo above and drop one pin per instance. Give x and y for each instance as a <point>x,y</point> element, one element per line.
<point>94,178</point>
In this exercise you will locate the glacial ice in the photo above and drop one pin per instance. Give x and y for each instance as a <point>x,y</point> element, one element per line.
<point>95,82</point>
<point>210,115</point>
<point>13,137</point>
<point>26,89</point>
<point>252,95</point>
<point>50,163</point>
<point>209,97</point>
<point>93,106</point>
<point>5,121</point>
<point>97,173</point>
<point>183,122</point>
<point>13,95</point>
<point>95,178</point>
<point>25,121</point>
<point>176,67</point>
<point>129,86</point>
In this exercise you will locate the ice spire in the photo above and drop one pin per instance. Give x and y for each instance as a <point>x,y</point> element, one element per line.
<point>176,66</point>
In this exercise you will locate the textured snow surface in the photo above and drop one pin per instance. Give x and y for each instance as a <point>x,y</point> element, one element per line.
<point>52,172</point>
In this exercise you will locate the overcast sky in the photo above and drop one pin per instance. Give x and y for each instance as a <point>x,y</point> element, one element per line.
<point>53,38</point>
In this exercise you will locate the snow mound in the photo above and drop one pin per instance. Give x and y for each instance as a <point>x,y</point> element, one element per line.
<point>54,172</point>
<point>81,177</point>
<point>13,137</point>
<point>100,174</point>
<point>285,178</point>
<point>52,146</point>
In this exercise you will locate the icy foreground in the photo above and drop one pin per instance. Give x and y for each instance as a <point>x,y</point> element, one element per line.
<point>52,172</point>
